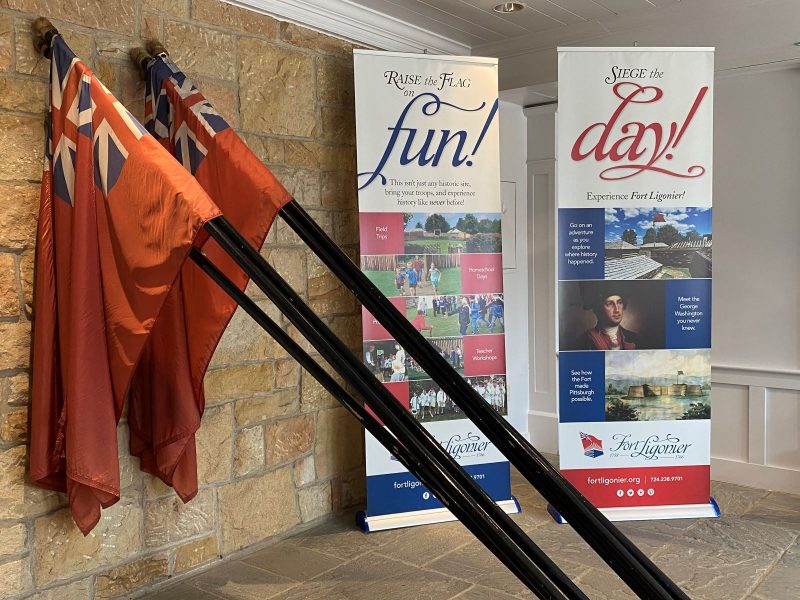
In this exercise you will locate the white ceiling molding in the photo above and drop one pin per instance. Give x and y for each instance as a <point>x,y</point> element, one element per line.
<point>359,24</point>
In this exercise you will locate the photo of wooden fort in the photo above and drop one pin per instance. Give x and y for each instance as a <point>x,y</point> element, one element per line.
<point>658,385</point>
<point>452,233</point>
<point>658,243</point>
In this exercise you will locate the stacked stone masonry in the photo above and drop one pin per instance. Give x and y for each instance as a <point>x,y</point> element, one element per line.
<point>276,452</point>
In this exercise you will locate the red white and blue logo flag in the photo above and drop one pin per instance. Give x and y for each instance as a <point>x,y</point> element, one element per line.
<point>592,446</point>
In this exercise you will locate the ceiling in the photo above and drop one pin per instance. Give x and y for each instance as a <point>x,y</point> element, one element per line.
<point>474,23</point>
<point>746,33</point>
<point>462,26</point>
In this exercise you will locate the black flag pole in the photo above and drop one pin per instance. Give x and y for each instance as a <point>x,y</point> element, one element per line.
<point>630,563</point>
<point>624,558</point>
<point>381,401</point>
<point>451,484</point>
<point>534,574</point>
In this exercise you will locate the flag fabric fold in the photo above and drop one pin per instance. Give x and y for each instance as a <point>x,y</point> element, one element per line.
<point>169,377</point>
<point>117,219</point>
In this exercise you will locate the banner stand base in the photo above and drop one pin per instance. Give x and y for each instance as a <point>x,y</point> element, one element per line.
<point>652,513</point>
<point>369,524</point>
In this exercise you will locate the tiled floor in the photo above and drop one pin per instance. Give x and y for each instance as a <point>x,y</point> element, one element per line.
<point>750,552</point>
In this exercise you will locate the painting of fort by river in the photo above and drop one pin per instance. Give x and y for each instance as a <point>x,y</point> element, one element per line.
<point>659,385</point>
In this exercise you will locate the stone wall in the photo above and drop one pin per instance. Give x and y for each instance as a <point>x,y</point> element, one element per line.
<point>276,453</point>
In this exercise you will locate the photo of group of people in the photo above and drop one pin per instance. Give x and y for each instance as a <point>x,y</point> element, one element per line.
<point>428,402</point>
<point>390,363</point>
<point>446,275</point>
<point>387,360</point>
<point>453,315</point>
<point>414,274</point>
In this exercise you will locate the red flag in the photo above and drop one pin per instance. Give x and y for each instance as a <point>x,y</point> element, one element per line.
<point>169,379</point>
<point>117,219</point>
<point>659,218</point>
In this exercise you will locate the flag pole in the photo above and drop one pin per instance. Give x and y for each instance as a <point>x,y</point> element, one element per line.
<point>627,560</point>
<point>379,398</point>
<point>430,473</point>
<point>457,490</point>
<point>630,563</point>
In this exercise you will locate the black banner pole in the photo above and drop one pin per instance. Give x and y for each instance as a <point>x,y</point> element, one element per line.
<point>379,399</point>
<point>638,571</point>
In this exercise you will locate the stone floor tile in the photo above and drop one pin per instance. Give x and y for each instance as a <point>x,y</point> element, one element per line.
<point>531,520</point>
<point>534,509</point>
<point>422,545</point>
<point>294,562</point>
<point>782,510</point>
<point>752,551</point>
<point>650,536</point>
<point>789,502</point>
<point>479,592</point>
<point>314,590</point>
<point>528,497</point>
<point>420,584</point>
<point>236,580</point>
<point>476,564</point>
<point>182,591</point>
<point>604,585</point>
<point>341,539</point>
<point>723,558</point>
<point>361,572</point>
<point>737,535</point>
<point>784,579</point>
<point>735,499</point>
<point>561,543</point>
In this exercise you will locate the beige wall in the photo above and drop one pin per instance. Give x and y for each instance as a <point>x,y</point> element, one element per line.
<point>275,451</point>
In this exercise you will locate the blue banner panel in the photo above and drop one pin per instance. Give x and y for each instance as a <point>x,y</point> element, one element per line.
<point>581,379</point>
<point>581,243</point>
<point>402,492</point>
<point>687,313</point>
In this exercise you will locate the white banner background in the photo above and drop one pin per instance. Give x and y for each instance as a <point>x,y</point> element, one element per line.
<point>635,153</point>
<point>428,143</point>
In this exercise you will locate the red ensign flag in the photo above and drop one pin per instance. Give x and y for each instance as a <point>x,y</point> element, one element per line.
<point>117,219</point>
<point>169,379</point>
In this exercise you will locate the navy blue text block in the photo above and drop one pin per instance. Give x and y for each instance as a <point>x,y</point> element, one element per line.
<point>687,308</point>
<point>581,243</point>
<point>581,378</point>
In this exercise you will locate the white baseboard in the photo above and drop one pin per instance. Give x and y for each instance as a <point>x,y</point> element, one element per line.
<point>756,476</point>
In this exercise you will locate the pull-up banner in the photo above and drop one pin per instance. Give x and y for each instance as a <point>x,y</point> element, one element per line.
<point>634,270</point>
<point>429,201</point>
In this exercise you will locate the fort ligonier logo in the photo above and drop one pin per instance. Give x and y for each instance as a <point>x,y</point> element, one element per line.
<point>592,446</point>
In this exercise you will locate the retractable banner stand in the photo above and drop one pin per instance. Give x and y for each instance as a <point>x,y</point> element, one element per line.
<point>634,270</point>
<point>429,201</point>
